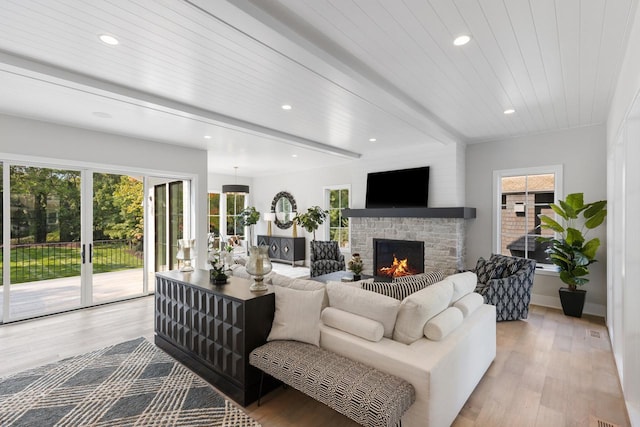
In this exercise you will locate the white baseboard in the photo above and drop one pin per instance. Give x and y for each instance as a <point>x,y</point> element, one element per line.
<point>554,302</point>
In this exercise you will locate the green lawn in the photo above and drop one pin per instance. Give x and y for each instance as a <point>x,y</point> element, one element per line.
<point>34,263</point>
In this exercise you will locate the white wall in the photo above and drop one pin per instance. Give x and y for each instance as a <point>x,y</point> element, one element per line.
<point>582,152</point>
<point>623,175</point>
<point>31,140</point>
<point>446,182</point>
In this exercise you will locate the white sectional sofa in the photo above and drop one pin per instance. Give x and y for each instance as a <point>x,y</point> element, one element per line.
<point>444,366</point>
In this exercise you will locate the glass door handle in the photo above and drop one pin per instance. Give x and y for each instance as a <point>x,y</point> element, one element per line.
<point>83,253</point>
<point>90,253</point>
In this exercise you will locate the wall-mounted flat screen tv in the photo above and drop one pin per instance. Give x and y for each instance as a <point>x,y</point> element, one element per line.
<point>406,188</point>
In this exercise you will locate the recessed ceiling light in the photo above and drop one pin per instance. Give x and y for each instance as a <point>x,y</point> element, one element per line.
<point>294,155</point>
<point>509,111</point>
<point>372,140</point>
<point>461,40</point>
<point>102,114</point>
<point>286,107</point>
<point>207,137</point>
<point>107,39</point>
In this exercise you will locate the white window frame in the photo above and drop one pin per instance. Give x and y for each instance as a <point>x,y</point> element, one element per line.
<point>497,203</point>
<point>327,225</point>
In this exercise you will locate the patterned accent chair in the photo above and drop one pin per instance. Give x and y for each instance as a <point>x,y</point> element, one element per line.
<point>325,257</point>
<point>506,282</point>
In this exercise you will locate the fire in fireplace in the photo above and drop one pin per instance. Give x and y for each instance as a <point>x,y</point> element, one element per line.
<point>395,258</point>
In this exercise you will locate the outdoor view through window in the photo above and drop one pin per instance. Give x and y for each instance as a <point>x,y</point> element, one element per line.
<point>523,198</point>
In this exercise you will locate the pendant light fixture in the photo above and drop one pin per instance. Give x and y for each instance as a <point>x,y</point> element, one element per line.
<point>235,188</point>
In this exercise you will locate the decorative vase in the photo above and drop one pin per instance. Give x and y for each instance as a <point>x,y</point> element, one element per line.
<point>186,253</point>
<point>258,265</point>
<point>356,277</point>
<point>572,301</point>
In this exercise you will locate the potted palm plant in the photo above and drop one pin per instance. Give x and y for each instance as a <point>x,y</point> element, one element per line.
<point>569,249</point>
<point>311,219</point>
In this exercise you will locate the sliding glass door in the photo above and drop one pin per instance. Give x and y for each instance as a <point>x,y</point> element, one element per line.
<point>117,249</point>
<point>74,238</point>
<point>47,254</point>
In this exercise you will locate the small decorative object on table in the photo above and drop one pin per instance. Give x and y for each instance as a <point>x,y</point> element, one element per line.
<point>217,273</point>
<point>355,266</point>
<point>186,253</point>
<point>258,265</point>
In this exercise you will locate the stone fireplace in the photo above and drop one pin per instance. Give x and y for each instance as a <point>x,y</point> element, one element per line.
<point>443,239</point>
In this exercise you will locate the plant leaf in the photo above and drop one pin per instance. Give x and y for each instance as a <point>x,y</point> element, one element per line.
<point>580,271</point>
<point>594,208</point>
<point>550,223</point>
<point>576,201</point>
<point>596,219</point>
<point>567,278</point>
<point>557,209</point>
<point>570,211</point>
<point>580,259</point>
<point>590,248</point>
<point>574,237</point>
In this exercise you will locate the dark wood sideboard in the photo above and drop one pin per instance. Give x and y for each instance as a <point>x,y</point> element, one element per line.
<point>213,329</point>
<point>281,248</point>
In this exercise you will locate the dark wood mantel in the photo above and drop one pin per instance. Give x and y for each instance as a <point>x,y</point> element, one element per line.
<point>463,212</point>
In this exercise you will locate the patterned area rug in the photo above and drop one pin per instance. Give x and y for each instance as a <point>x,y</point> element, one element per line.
<point>133,383</point>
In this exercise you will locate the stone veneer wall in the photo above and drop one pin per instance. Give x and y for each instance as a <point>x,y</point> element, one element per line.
<point>444,239</point>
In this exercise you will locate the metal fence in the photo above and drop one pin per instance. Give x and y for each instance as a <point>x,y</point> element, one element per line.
<point>42,261</point>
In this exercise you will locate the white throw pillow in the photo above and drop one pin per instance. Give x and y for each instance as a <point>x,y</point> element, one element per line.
<point>280,280</point>
<point>469,303</point>
<point>359,326</point>
<point>418,308</point>
<point>297,316</point>
<point>366,304</point>
<point>463,284</point>
<point>443,324</point>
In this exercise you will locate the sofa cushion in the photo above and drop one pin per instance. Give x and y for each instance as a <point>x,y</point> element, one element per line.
<point>463,284</point>
<point>443,324</point>
<point>418,308</point>
<point>469,303</point>
<point>359,326</point>
<point>371,305</point>
<point>385,288</point>
<point>410,284</point>
<point>297,315</point>
<point>281,280</point>
<point>429,276</point>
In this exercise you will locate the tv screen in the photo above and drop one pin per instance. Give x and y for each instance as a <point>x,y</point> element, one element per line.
<point>406,188</point>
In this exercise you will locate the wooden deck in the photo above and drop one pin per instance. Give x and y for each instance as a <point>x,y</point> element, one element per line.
<point>56,295</point>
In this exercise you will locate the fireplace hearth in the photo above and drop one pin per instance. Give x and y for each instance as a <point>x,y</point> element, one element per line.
<point>395,258</point>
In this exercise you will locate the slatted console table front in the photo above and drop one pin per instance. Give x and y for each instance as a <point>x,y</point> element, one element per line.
<point>213,329</point>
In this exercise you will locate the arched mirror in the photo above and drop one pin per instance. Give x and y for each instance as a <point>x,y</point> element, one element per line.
<point>284,206</point>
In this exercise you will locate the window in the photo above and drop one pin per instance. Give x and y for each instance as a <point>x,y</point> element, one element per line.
<point>235,205</point>
<point>521,195</point>
<point>214,213</point>
<point>337,199</point>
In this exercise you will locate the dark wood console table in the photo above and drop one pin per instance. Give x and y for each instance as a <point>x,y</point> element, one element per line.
<point>282,248</point>
<point>213,329</point>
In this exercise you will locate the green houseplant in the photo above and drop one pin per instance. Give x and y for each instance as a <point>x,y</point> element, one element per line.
<point>569,249</point>
<point>248,218</point>
<point>311,219</point>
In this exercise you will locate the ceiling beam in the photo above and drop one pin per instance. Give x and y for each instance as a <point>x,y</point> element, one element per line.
<point>48,73</point>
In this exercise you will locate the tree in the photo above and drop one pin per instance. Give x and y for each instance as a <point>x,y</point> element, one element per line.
<point>128,197</point>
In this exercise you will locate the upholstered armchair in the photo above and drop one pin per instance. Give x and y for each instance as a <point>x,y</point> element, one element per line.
<point>506,282</point>
<point>325,257</point>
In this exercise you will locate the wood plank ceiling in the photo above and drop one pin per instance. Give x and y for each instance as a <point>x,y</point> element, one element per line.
<point>351,69</point>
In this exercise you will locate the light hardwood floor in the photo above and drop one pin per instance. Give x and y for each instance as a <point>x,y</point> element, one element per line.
<point>550,370</point>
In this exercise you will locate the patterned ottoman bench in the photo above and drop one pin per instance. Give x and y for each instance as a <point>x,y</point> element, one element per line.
<point>364,394</point>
